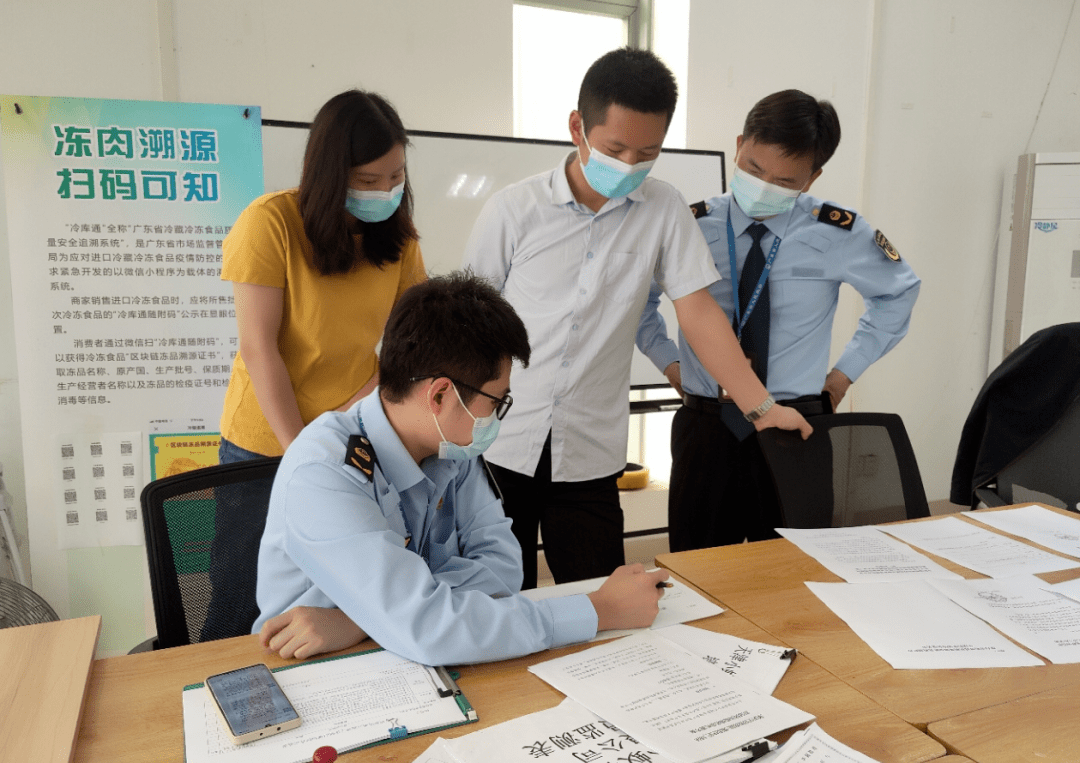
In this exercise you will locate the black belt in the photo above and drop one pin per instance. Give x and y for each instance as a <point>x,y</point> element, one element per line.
<point>807,405</point>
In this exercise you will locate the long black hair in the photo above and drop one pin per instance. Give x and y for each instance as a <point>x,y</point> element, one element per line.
<point>352,128</point>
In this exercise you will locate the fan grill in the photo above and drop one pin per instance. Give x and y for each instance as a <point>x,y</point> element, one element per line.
<point>21,606</point>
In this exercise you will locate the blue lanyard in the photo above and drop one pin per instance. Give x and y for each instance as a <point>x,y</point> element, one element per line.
<point>740,320</point>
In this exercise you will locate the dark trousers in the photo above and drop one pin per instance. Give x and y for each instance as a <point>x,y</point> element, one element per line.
<point>581,522</point>
<point>234,550</point>
<point>721,489</point>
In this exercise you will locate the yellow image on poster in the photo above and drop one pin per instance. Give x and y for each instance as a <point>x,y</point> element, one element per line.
<point>178,453</point>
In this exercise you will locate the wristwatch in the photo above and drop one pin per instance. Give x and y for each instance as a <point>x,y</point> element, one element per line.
<point>761,410</point>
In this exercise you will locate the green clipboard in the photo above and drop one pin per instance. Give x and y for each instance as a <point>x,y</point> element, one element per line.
<point>442,680</point>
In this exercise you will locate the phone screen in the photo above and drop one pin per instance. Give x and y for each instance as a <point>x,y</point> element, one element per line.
<point>250,699</point>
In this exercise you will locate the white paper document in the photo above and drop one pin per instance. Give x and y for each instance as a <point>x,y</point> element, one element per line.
<point>566,733</point>
<point>679,604</point>
<point>672,701</point>
<point>864,554</point>
<point>1070,588</point>
<point>977,548</point>
<point>345,703</point>
<point>912,625</point>
<point>1039,525</point>
<point>813,745</point>
<point>1023,610</point>
<point>757,664</point>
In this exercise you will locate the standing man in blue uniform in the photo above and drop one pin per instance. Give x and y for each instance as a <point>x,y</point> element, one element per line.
<point>788,253</point>
<point>382,521</point>
<point>574,250</point>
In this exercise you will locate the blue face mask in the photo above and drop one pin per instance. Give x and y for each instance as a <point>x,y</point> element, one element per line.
<point>374,206</point>
<point>759,199</point>
<point>610,177</point>
<point>484,432</point>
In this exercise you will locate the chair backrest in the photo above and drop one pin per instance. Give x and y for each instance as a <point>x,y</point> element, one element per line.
<point>855,469</point>
<point>1051,467</point>
<point>200,564</point>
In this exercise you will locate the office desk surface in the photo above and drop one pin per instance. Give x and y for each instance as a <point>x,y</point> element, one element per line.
<point>133,711</point>
<point>764,582</point>
<point>1042,728</point>
<point>46,668</point>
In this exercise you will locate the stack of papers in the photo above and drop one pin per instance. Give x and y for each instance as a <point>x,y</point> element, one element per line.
<point>864,554</point>
<point>683,695</point>
<point>1039,525</point>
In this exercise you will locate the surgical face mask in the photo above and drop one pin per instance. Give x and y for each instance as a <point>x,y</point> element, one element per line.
<point>484,432</point>
<point>610,177</point>
<point>760,199</point>
<point>374,206</point>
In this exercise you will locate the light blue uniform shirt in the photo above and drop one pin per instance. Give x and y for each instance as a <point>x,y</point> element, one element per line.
<point>448,594</point>
<point>813,260</point>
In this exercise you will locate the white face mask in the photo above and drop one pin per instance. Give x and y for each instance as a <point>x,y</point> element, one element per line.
<point>484,432</point>
<point>759,199</point>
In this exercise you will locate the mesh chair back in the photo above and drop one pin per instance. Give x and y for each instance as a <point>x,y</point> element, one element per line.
<point>1050,467</point>
<point>202,572</point>
<point>856,469</point>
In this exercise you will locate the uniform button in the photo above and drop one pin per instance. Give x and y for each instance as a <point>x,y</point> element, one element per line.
<point>574,327</point>
<point>556,402</point>
<point>581,291</point>
<point>590,255</point>
<point>565,363</point>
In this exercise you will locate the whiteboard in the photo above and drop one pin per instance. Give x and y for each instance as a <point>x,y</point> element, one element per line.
<point>453,174</point>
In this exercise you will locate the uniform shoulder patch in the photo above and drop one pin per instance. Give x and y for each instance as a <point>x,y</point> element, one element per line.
<point>360,454</point>
<point>886,247</point>
<point>838,217</point>
<point>699,209</point>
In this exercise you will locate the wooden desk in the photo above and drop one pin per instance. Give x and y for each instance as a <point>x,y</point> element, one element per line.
<point>1042,728</point>
<point>46,668</point>
<point>134,712</point>
<point>764,582</point>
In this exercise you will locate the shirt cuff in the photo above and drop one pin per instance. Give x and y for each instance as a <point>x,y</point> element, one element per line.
<point>852,364</point>
<point>664,354</point>
<point>573,619</point>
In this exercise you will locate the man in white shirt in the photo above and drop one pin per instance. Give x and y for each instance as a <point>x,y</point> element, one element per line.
<point>574,251</point>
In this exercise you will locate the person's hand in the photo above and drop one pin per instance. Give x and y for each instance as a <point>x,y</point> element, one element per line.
<point>629,598</point>
<point>304,631</point>
<point>836,384</point>
<point>782,417</point>
<point>674,377</point>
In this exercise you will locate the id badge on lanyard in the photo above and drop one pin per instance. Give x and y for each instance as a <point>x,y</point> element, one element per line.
<point>740,320</point>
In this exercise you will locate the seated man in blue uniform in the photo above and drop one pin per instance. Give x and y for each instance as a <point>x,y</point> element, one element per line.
<point>788,252</point>
<point>382,521</point>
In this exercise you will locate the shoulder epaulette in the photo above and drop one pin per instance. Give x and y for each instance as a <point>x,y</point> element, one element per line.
<point>838,217</point>
<point>699,209</point>
<point>360,454</point>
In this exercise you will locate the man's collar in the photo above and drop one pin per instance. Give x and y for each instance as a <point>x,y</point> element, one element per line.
<point>396,464</point>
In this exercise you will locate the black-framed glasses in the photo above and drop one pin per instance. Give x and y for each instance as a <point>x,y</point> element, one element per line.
<point>504,402</point>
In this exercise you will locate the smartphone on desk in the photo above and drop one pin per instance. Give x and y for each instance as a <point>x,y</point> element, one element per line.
<point>251,703</point>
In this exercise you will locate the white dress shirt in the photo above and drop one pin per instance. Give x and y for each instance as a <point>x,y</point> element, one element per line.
<point>579,281</point>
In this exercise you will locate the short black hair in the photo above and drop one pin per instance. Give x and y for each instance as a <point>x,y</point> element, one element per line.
<point>457,325</point>
<point>352,128</point>
<point>632,78</point>
<point>797,122</point>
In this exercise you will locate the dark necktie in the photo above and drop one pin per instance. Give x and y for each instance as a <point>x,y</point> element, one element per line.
<point>755,333</point>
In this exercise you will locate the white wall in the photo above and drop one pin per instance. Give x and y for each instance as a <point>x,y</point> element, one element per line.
<point>937,98</point>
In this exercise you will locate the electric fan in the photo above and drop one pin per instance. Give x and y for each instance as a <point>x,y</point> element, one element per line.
<point>21,606</point>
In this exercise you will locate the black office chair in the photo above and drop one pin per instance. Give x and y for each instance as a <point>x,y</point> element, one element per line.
<point>203,530</point>
<point>1023,430</point>
<point>855,469</point>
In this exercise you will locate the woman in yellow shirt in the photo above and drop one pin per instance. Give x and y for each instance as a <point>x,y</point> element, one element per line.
<point>315,272</point>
